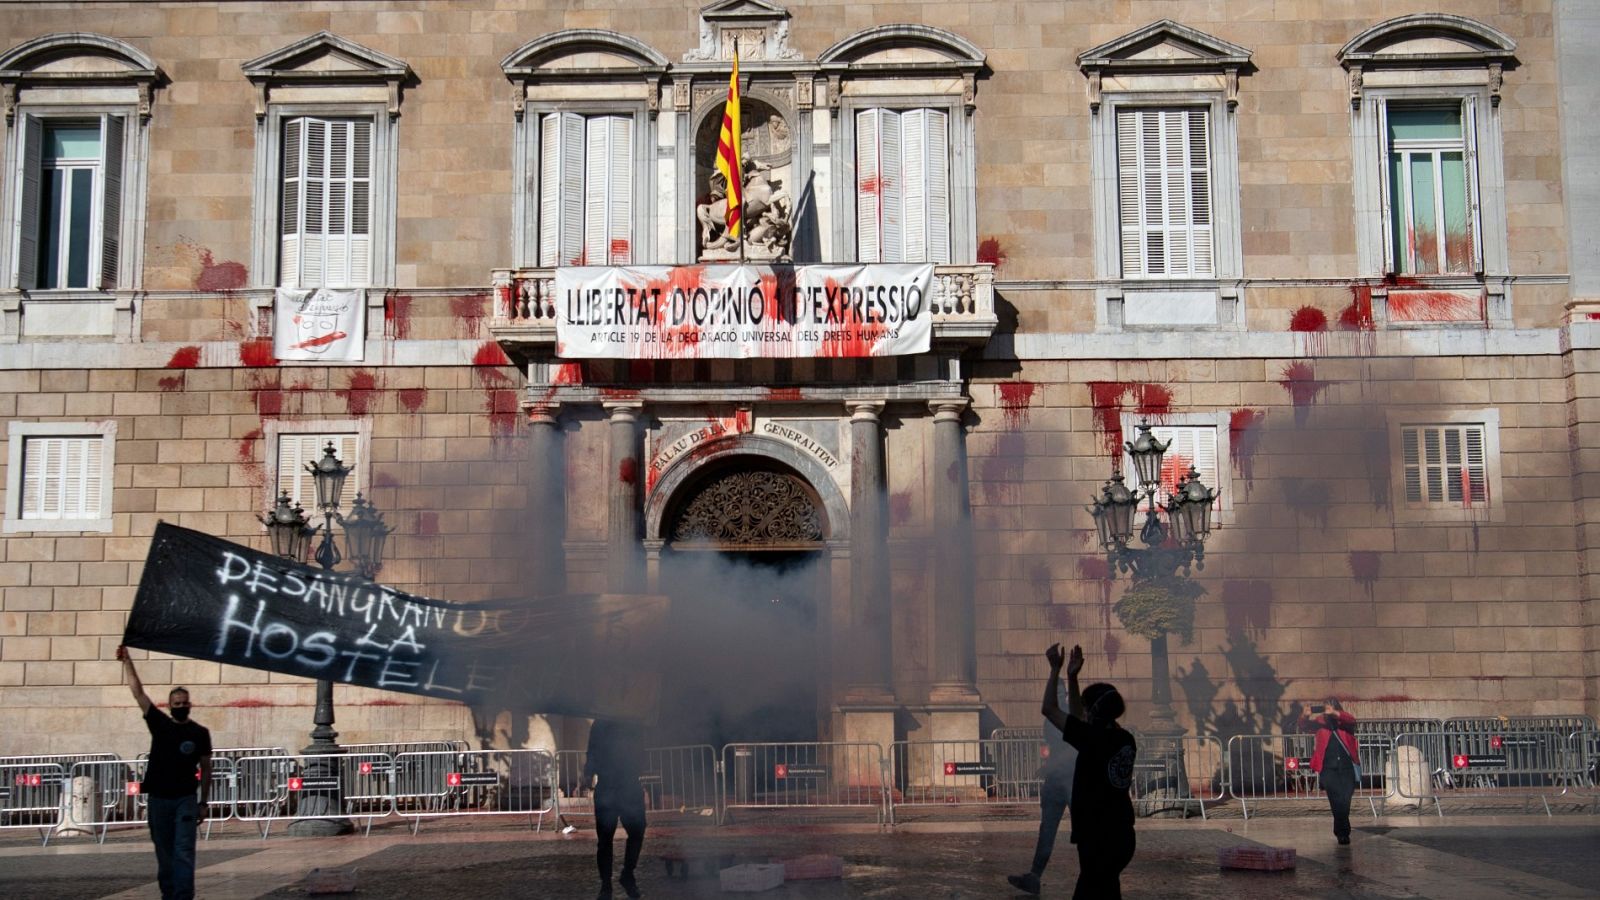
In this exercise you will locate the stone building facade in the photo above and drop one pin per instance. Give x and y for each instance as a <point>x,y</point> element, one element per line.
<point>1343,254</point>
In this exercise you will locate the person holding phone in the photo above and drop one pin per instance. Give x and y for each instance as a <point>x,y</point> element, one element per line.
<point>1337,761</point>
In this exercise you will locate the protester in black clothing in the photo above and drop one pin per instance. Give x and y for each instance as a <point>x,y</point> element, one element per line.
<point>1102,812</point>
<point>616,759</point>
<point>178,767</point>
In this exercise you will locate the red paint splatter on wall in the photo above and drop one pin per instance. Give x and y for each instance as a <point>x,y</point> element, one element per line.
<point>269,402</point>
<point>990,251</point>
<point>567,373</point>
<point>490,354</point>
<point>1247,607</point>
<point>1357,317</point>
<point>1042,583</point>
<point>172,383</point>
<point>900,508</point>
<point>184,358</point>
<point>468,311</point>
<point>257,353</point>
<point>385,480</point>
<point>1301,383</point>
<point>1015,398</point>
<point>361,394</point>
<point>1096,569</point>
<point>1308,499</point>
<point>504,406</point>
<point>1059,616</point>
<point>1106,399</point>
<point>1244,438</point>
<point>784,394</point>
<point>1154,400</point>
<point>1435,306</point>
<point>628,470</point>
<point>1364,568</point>
<point>248,703</point>
<point>397,316</point>
<point>1112,648</point>
<point>245,453</point>
<point>427,523</point>
<point>1001,472</point>
<point>413,398</point>
<point>219,276</point>
<point>1311,324</point>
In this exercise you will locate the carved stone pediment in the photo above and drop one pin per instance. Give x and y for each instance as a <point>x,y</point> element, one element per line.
<point>1163,48</point>
<point>760,29</point>
<point>1429,41</point>
<point>325,58</point>
<point>77,59</point>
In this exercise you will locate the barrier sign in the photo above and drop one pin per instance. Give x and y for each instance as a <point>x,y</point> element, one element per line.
<point>313,784</point>
<point>1296,763</point>
<point>793,770</point>
<point>135,788</point>
<point>1498,742</point>
<point>376,768</point>
<point>470,779</point>
<point>37,780</point>
<point>1478,761</point>
<point>969,768</point>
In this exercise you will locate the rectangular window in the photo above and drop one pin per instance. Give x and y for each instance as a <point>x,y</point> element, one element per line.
<point>1445,464</point>
<point>325,226</point>
<point>62,478</point>
<point>296,450</point>
<point>1164,192</point>
<point>1431,212</point>
<point>1191,445</point>
<point>903,186</point>
<point>586,168</point>
<point>70,203</point>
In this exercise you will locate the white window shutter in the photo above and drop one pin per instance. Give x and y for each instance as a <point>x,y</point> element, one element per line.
<point>619,247</point>
<point>549,187</point>
<point>914,193</point>
<point>1129,206</point>
<point>314,212</point>
<point>938,149</point>
<point>1201,251</point>
<point>61,478</point>
<point>1475,481</point>
<point>336,221</point>
<point>25,273</point>
<point>869,199</point>
<point>569,243</point>
<point>1411,462</point>
<point>293,188</point>
<point>295,450</point>
<point>1469,122</point>
<point>360,221</point>
<point>608,190</point>
<point>113,135</point>
<point>1386,191</point>
<point>891,187</point>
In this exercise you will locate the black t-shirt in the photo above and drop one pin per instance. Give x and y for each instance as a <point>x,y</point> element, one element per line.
<point>176,749</point>
<point>616,755</point>
<point>1101,807</point>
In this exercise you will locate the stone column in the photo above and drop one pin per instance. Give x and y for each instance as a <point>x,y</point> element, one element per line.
<point>545,567</point>
<point>954,650</point>
<point>870,637</point>
<point>625,571</point>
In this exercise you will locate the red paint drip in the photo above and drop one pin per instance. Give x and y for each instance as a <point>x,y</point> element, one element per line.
<point>1435,306</point>
<point>1308,318</point>
<point>621,251</point>
<point>361,394</point>
<point>1244,438</point>
<point>172,383</point>
<point>989,251</point>
<point>257,353</point>
<point>184,358</point>
<point>900,508</point>
<point>468,311</point>
<point>490,354</point>
<point>504,405</point>
<point>427,523</point>
<point>1001,472</point>
<point>1095,568</point>
<point>384,479</point>
<point>1247,607</point>
<point>568,373</point>
<point>628,470</point>
<point>1154,399</point>
<point>1106,400</point>
<point>871,186</point>
<point>1307,498</point>
<point>1364,568</point>
<point>413,398</point>
<point>223,276</point>
<point>397,316</point>
<point>1112,648</point>
<point>1300,381</point>
<point>247,703</point>
<point>246,454</point>
<point>1015,398</point>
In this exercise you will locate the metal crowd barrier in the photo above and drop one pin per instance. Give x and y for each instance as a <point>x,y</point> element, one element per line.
<point>1273,768</point>
<point>345,785</point>
<point>1502,761</point>
<point>30,795</point>
<point>108,792</point>
<point>683,781</point>
<point>805,775</point>
<point>476,783</point>
<point>941,774</point>
<point>1177,772</point>
<point>1585,749</point>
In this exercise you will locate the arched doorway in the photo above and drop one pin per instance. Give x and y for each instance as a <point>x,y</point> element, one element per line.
<point>745,562</point>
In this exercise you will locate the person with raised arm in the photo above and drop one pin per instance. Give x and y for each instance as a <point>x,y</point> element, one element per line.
<point>178,768</point>
<point>1336,762</point>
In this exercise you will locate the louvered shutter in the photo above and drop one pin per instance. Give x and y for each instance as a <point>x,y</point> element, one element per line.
<point>31,162</point>
<point>1469,119</point>
<point>938,168</point>
<point>1386,197</point>
<point>608,190</point>
<point>914,193</point>
<point>869,200</point>
<point>549,186</point>
<point>619,249</point>
<point>1475,473</point>
<point>1198,192</point>
<point>314,206</point>
<point>295,450</point>
<point>293,202</point>
<point>1129,179</point>
<point>1411,462</point>
<point>1445,464</point>
<point>891,188</point>
<point>360,235</point>
<point>561,189</point>
<point>1164,192</point>
<point>113,133</point>
<point>61,478</point>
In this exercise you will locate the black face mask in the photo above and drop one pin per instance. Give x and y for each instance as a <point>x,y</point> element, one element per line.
<point>180,713</point>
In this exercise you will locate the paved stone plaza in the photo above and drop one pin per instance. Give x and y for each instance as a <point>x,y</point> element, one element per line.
<point>1460,859</point>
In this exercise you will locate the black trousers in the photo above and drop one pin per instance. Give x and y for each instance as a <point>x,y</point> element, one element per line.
<point>1339,783</point>
<point>1100,865</point>
<point>607,813</point>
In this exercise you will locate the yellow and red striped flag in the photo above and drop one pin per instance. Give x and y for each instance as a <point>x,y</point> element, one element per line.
<point>728,151</point>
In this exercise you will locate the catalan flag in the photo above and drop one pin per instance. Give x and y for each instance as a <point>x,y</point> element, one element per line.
<point>728,151</point>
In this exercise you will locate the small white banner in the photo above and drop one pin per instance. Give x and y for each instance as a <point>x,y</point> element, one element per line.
<point>742,312</point>
<point>319,323</point>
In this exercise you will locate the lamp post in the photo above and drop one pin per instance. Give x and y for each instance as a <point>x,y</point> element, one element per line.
<point>365,534</point>
<point>1170,545</point>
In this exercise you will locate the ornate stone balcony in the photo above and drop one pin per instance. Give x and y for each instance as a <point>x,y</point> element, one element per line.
<point>525,306</point>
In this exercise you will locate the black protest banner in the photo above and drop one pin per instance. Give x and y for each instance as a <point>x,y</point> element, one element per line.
<point>207,598</point>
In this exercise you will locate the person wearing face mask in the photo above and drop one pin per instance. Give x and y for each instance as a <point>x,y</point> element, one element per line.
<point>178,767</point>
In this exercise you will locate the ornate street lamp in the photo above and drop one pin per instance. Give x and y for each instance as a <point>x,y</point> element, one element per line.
<point>364,537</point>
<point>1178,542</point>
<point>288,529</point>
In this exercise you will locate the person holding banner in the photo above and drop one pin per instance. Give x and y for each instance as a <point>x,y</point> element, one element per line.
<point>614,762</point>
<point>1336,762</point>
<point>180,753</point>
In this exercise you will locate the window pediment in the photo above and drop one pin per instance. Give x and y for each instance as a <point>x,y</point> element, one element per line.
<point>919,47</point>
<point>326,59</point>
<point>77,59</point>
<point>1426,40</point>
<point>1148,58</point>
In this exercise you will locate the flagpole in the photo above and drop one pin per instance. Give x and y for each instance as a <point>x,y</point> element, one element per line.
<point>738,164</point>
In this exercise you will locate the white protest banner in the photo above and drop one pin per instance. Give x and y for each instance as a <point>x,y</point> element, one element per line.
<point>319,323</point>
<point>742,312</point>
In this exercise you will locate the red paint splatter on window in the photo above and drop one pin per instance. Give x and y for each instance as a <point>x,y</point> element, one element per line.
<point>184,358</point>
<point>1247,607</point>
<point>363,391</point>
<point>468,311</point>
<point>1593,317</point>
<point>257,353</point>
<point>397,316</point>
<point>1112,647</point>
<point>1244,438</point>
<point>621,251</point>
<point>1364,568</point>
<point>219,276</point>
<point>1015,398</point>
<point>1435,306</point>
<point>900,508</point>
<point>1174,466</point>
<point>567,373</point>
<point>1300,381</point>
<point>990,251</point>
<point>413,398</point>
<point>871,186</point>
<point>427,523</point>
